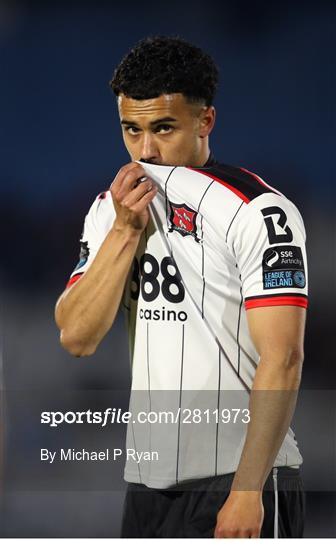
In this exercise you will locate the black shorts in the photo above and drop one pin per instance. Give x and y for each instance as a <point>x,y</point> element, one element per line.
<point>189,510</point>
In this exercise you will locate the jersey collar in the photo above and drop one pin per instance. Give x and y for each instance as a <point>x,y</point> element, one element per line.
<point>210,161</point>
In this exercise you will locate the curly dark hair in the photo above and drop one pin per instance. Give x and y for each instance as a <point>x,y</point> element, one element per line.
<point>166,65</point>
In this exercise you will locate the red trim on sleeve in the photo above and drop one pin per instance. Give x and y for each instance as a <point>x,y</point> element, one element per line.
<point>73,280</point>
<point>231,188</point>
<point>300,301</point>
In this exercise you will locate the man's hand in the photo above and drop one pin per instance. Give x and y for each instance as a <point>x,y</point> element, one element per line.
<point>241,516</point>
<point>86,310</point>
<point>131,198</point>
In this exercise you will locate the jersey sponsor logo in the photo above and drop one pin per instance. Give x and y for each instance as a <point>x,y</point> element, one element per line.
<point>283,267</point>
<point>183,220</point>
<point>150,278</point>
<point>83,254</point>
<point>275,220</point>
<point>162,314</point>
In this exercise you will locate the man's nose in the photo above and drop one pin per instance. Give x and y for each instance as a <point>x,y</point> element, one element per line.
<point>149,149</point>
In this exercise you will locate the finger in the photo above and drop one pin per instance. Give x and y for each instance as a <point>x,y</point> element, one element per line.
<point>116,183</point>
<point>248,534</point>
<point>131,171</point>
<point>130,182</point>
<point>144,201</point>
<point>137,193</point>
<point>127,177</point>
<point>219,533</point>
<point>231,533</point>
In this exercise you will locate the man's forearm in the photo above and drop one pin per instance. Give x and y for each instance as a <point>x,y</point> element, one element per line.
<point>87,310</point>
<point>272,404</point>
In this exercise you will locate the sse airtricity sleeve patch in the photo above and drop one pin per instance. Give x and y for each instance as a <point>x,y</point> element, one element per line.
<point>97,224</point>
<point>269,246</point>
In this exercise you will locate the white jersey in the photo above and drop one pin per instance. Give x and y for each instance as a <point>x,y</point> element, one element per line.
<point>219,241</point>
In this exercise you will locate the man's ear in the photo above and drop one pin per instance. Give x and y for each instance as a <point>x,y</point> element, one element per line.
<point>207,121</point>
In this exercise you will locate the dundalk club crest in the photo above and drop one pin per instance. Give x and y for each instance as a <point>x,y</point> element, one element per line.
<point>183,220</point>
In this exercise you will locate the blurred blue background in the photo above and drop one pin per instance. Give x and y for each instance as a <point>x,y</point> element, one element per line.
<point>61,145</point>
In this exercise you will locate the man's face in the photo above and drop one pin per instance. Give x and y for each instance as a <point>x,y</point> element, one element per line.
<point>167,130</point>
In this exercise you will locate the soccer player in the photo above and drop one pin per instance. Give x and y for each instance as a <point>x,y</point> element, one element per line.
<point>209,262</point>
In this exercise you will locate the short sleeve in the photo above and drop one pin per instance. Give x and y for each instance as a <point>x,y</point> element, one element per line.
<point>97,224</point>
<point>268,243</point>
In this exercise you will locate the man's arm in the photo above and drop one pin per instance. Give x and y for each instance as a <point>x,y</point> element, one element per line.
<point>278,335</point>
<point>86,311</point>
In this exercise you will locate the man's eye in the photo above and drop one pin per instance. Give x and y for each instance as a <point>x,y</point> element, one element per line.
<point>164,128</point>
<point>132,130</point>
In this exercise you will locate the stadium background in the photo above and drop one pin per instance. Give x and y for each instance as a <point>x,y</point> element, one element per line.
<point>61,145</point>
